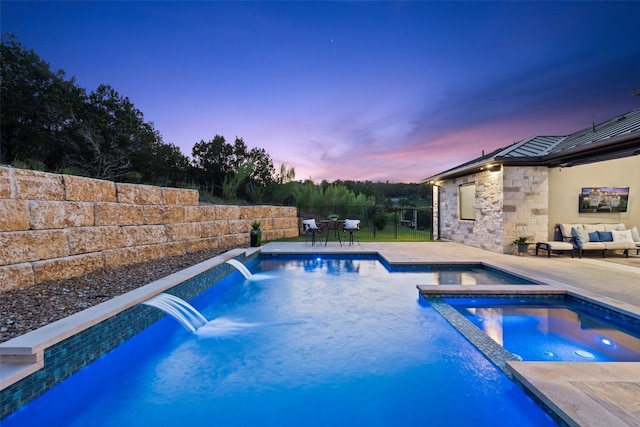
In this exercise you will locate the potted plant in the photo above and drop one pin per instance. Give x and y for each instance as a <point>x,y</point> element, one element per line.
<point>256,234</point>
<point>523,245</point>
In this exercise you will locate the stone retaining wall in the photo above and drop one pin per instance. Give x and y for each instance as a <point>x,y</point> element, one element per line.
<point>61,226</point>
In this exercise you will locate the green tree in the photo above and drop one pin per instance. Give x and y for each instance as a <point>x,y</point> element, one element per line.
<point>38,106</point>
<point>243,170</point>
<point>232,182</point>
<point>317,196</point>
<point>114,141</point>
<point>210,162</point>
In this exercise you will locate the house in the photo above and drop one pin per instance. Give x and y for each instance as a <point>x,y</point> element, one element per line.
<point>528,187</point>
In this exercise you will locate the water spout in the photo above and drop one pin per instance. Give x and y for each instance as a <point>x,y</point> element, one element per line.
<point>179,309</point>
<point>240,267</point>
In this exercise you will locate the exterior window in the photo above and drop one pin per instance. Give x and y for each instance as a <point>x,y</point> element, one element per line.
<point>467,201</point>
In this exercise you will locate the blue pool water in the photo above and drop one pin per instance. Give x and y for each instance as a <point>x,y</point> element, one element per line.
<point>554,328</point>
<point>306,342</point>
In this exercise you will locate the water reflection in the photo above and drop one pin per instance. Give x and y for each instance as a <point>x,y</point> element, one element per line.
<point>554,333</point>
<point>332,266</point>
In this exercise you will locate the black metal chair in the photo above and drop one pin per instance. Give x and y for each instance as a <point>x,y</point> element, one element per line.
<point>311,228</point>
<point>352,226</point>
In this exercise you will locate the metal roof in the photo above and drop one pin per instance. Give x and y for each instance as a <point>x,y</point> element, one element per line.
<point>617,126</point>
<point>533,147</point>
<point>616,138</point>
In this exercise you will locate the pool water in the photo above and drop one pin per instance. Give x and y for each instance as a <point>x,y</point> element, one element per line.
<point>554,328</point>
<point>305,342</point>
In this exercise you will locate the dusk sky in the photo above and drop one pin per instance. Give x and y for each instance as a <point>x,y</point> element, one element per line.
<point>382,91</point>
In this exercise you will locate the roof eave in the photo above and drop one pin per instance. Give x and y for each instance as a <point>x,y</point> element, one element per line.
<point>483,166</point>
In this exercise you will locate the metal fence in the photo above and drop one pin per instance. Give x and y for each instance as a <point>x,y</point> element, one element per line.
<point>376,222</point>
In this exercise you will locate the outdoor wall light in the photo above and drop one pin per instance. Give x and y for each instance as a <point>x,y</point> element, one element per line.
<point>492,168</point>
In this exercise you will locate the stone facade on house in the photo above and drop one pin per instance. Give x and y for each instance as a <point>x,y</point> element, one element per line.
<point>526,204</point>
<point>61,226</point>
<point>510,202</point>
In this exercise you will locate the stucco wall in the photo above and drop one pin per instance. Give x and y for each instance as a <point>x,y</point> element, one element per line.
<point>61,226</point>
<point>566,184</point>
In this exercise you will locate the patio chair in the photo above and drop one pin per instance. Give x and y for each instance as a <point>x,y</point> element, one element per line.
<point>352,226</point>
<point>311,228</point>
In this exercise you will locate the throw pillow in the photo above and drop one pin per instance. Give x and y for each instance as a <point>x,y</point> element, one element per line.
<point>351,223</point>
<point>310,224</point>
<point>580,235</point>
<point>605,236</point>
<point>635,235</point>
<point>622,236</point>
<point>593,237</point>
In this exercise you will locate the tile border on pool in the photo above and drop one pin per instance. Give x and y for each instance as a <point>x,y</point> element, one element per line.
<point>34,362</point>
<point>491,349</point>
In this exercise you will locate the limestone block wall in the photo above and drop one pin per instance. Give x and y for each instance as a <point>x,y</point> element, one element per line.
<point>60,226</point>
<point>526,205</point>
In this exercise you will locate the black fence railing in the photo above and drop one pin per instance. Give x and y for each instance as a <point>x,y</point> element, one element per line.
<point>379,223</point>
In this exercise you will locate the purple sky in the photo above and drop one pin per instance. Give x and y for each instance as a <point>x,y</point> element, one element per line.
<point>381,91</point>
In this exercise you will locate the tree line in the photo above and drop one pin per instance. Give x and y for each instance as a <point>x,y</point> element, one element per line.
<point>48,122</point>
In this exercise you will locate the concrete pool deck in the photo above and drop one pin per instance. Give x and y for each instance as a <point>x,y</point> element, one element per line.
<point>581,394</point>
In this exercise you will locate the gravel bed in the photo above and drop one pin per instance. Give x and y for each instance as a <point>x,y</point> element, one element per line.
<point>31,307</point>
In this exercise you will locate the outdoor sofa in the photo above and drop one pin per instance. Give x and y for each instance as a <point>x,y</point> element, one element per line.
<point>593,237</point>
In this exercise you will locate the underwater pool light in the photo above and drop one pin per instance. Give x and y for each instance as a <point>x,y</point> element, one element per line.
<point>585,354</point>
<point>606,341</point>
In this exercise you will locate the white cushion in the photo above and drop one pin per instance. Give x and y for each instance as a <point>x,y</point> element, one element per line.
<point>351,223</point>
<point>590,228</point>
<point>557,246</point>
<point>565,229</point>
<point>619,245</point>
<point>634,234</point>
<point>611,227</point>
<point>592,245</point>
<point>622,236</point>
<point>310,224</point>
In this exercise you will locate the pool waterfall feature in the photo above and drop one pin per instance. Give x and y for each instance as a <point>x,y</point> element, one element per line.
<point>43,356</point>
<point>179,309</point>
<point>240,267</point>
<point>182,311</point>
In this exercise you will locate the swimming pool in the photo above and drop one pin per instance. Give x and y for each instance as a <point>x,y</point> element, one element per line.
<point>554,328</point>
<point>307,341</point>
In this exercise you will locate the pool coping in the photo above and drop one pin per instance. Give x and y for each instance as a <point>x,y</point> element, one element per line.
<point>24,355</point>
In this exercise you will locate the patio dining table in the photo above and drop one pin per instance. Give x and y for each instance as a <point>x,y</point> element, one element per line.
<point>332,226</point>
